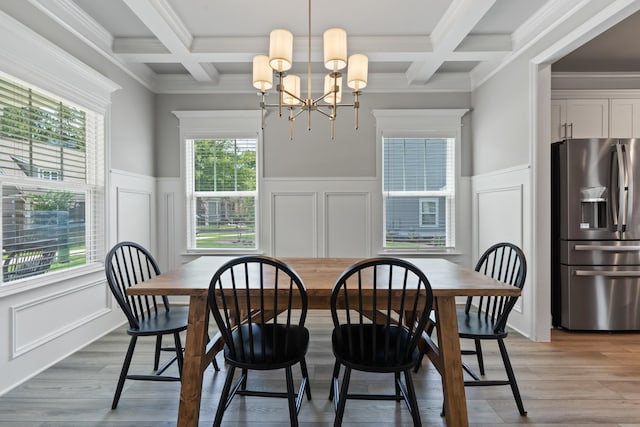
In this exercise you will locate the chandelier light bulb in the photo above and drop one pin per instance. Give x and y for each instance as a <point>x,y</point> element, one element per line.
<point>328,88</point>
<point>280,50</point>
<point>291,84</point>
<point>358,70</point>
<point>262,73</point>
<point>335,49</point>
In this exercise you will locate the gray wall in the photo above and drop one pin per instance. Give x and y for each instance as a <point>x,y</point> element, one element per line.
<point>131,125</point>
<point>311,154</point>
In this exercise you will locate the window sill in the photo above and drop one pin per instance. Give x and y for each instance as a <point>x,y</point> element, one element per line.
<point>32,283</point>
<point>221,252</point>
<point>439,253</point>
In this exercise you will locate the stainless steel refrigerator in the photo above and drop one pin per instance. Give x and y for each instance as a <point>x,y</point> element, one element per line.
<point>595,234</point>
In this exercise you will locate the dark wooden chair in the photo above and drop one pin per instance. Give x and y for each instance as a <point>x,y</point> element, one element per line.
<point>485,318</point>
<point>127,264</point>
<point>379,309</point>
<point>260,306</point>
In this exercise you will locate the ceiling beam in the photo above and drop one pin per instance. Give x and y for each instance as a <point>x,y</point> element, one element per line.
<point>457,22</point>
<point>166,25</point>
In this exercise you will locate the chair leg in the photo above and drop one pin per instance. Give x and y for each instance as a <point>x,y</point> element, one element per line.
<point>179,355</point>
<point>336,373</point>
<point>397,381</point>
<point>479,356</point>
<point>305,374</point>
<point>342,399</point>
<point>511,376</point>
<point>244,381</point>
<point>291,398</point>
<point>413,401</point>
<point>124,371</point>
<point>156,360</point>
<point>214,363</point>
<point>224,396</point>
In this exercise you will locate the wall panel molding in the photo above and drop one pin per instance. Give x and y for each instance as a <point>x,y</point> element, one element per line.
<point>502,212</point>
<point>347,224</point>
<point>41,320</point>
<point>294,224</point>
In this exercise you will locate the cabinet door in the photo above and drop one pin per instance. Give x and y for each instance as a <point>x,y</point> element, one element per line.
<point>588,118</point>
<point>624,118</point>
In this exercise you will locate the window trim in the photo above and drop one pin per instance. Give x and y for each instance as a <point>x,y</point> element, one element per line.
<point>36,61</point>
<point>218,124</point>
<point>422,123</point>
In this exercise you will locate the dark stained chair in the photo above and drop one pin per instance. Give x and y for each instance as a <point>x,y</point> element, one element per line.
<point>379,309</point>
<point>485,318</point>
<point>127,264</point>
<point>260,306</point>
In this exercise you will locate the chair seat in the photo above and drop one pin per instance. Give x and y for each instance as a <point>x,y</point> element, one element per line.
<point>165,322</point>
<point>474,326</point>
<point>262,338</point>
<point>359,353</point>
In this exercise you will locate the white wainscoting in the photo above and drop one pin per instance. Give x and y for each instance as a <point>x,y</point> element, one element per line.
<point>294,224</point>
<point>39,321</point>
<point>133,210</point>
<point>502,212</point>
<point>348,223</point>
<point>319,217</point>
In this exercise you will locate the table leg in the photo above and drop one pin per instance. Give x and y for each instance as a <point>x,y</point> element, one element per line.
<point>449,348</point>
<point>194,354</point>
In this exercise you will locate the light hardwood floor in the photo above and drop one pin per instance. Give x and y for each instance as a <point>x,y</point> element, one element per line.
<point>577,379</point>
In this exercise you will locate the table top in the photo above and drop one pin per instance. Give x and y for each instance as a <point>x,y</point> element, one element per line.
<point>319,276</point>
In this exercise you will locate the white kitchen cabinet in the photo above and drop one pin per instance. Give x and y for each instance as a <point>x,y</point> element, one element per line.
<point>624,118</point>
<point>579,118</point>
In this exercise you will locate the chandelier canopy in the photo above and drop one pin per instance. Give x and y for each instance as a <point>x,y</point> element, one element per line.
<point>280,60</point>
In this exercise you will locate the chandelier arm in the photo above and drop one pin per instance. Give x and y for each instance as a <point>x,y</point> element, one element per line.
<point>329,115</point>
<point>295,116</point>
<point>282,90</point>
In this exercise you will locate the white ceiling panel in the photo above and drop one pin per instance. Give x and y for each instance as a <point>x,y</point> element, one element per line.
<point>412,45</point>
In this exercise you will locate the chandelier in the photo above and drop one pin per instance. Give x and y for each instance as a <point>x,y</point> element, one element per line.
<point>280,61</point>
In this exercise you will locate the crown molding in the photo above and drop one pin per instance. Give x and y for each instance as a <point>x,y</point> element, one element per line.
<point>79,23</point>
<point>28,56</point>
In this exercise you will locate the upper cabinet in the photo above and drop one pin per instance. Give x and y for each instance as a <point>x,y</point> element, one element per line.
<point>579,118</point>
<point>624,118</point>
<point>595,114</point>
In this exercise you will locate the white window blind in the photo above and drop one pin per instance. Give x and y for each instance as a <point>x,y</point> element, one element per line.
<point>52,183</point>
<point>222,193</point>
<point>418,192</point>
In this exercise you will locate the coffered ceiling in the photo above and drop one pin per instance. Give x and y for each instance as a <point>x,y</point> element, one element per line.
<point>207,46</point>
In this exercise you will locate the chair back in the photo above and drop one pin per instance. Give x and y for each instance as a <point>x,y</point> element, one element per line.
<point>255,301</point>
<point>128,264</point>
<point>504,262</point>
<point>379,308</point>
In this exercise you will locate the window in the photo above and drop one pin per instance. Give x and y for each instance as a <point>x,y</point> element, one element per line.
<point>415,168</point>
<point>418,177</point>
<point>429,212</point>
<point>221,175</point>
<point>51,182</point>
<point>222,184</point>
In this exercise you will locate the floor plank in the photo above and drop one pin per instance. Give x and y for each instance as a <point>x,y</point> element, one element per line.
<point>578,379</point>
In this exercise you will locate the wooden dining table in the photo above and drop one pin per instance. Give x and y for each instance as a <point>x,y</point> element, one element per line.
<point>448,281</point>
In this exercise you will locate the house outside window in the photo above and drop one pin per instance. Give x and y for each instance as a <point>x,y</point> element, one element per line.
<point>418,172</point>
<point>51,181</point>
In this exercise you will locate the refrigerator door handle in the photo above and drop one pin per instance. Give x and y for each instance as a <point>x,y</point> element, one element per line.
<point>609,273</point>
<point>628,170</point>
<point>621,211</point>
<point>607,248</point>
